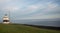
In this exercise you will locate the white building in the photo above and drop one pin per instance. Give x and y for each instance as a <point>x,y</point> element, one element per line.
<point>6,19</point>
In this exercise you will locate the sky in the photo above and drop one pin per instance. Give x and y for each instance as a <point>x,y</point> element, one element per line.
<point>30,9</point>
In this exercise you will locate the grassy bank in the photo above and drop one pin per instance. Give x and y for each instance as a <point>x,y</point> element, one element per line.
<point>17,28</point>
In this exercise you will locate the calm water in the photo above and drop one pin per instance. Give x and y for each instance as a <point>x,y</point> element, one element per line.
<point>38,22</point>
<point>55,23</point>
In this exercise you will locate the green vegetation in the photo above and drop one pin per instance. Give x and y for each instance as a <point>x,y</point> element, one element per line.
<point>18,28</point>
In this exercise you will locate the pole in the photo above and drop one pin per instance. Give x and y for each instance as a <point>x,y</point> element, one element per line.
<point>9,16</point>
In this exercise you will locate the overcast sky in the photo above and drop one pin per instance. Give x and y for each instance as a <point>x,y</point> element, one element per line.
<point>30,9</point>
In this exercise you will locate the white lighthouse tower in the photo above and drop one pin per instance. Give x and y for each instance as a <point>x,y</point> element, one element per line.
<point>6,19</point>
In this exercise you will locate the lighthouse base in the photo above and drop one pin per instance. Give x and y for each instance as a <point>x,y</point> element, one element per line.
<point>6,22</point>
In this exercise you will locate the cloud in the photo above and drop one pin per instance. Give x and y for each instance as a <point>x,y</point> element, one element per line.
<point>10,8</point>
<point>3,1</point>
<point>43,17</point>
<point>31,9</point>
<point>50,7</point>
<point>28,9</point>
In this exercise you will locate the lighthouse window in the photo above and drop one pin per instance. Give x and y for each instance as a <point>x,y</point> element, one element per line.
<point>5,20</point>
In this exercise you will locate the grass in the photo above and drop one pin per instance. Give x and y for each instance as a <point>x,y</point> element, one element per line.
<point>18,28</point>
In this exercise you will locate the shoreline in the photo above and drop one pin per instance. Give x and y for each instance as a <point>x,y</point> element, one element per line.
<point>44,27</point>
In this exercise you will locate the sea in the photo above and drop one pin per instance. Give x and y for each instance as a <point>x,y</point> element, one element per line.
<point>55,23</point>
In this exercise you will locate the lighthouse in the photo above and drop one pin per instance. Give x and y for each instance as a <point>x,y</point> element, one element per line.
<point>6,19</point>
